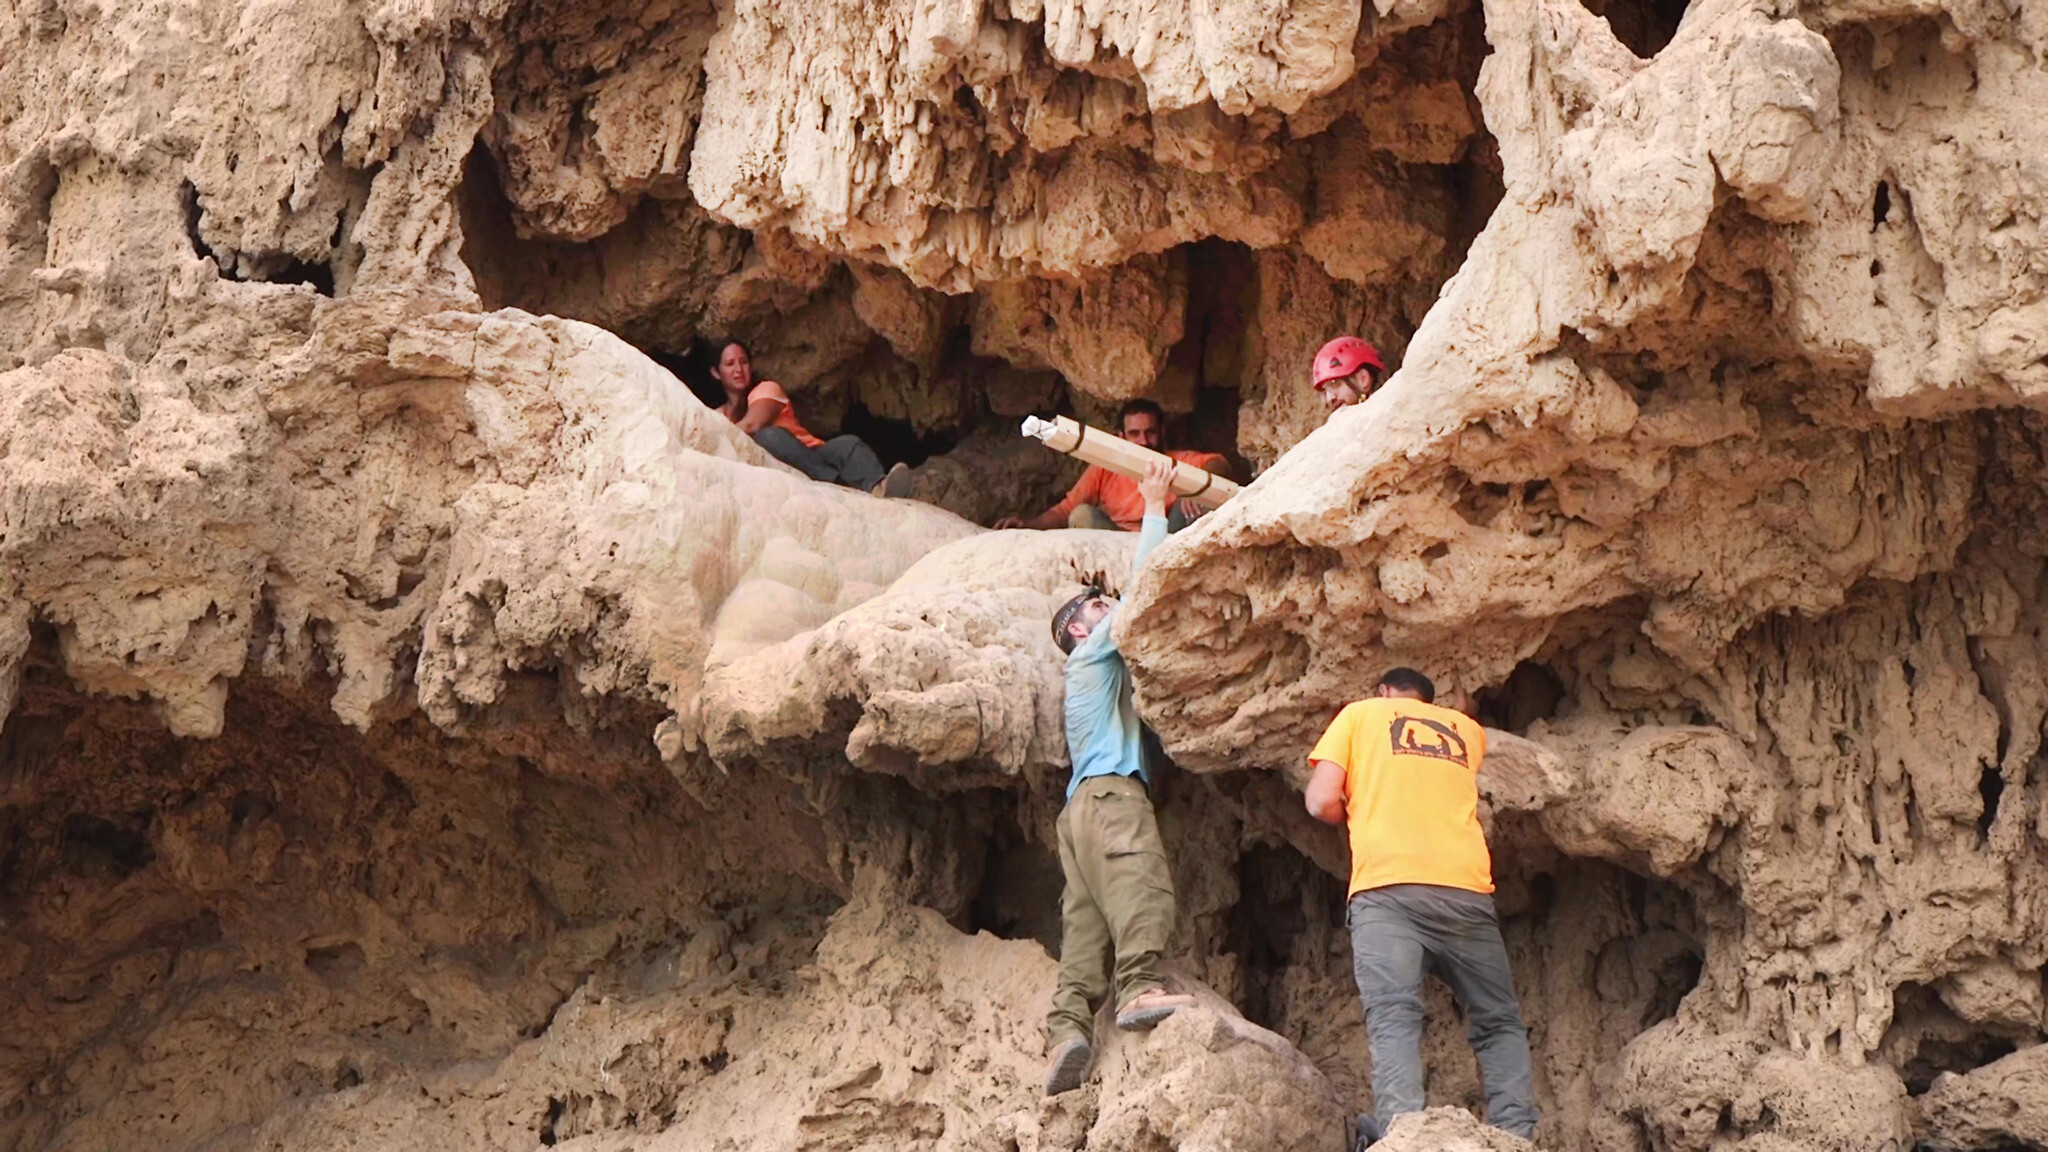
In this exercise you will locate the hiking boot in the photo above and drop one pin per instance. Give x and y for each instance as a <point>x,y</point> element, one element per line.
<point>896,485</point>
<point>1149,1007</point>
<point>1069,1066</point>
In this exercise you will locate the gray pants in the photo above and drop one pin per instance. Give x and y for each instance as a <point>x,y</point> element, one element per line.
<point>1397,933</point>
<point>841,460</point>
<point>1092,516</point>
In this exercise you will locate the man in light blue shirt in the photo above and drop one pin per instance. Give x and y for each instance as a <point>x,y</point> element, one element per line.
<point>1119,893</point>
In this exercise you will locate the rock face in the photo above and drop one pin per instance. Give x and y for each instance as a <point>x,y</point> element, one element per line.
<point>427,724</point>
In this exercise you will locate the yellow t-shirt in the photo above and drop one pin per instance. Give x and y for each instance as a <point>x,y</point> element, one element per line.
<point>1411,793</point>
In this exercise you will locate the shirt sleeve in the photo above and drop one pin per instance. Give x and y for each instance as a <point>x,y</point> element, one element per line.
<point>1086,490</point>
<point>1208,462</point>
<point>767,390</point>
<point>1149,536</point>
<point>1150,533</point>
<point>1335,746</point>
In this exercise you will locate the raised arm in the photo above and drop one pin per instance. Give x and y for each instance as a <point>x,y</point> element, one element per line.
<point>1156,488</point>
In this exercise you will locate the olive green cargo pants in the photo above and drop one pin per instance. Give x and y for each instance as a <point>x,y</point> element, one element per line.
<point>1118,902</point>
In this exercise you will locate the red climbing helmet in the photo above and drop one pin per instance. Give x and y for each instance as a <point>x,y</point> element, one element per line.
<point>1343,356</point>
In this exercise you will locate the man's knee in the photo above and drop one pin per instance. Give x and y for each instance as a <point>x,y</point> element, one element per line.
<point>1090,516</point>
<point>1490,1021</point>
<point>1395,1001</point>
<point>1487,1023</point>
<point>776,440</point>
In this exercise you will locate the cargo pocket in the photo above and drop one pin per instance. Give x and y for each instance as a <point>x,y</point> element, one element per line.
<point>1127,824</point>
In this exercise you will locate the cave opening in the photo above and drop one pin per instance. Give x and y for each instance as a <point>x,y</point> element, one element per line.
<point>1639,975</point>
<point>1211,359</point>
<point>1928,1038</point>
<point>667,280</point>
<point>292,270</point>
<point>96,843</point>
<point>271,268</point>
<point>1019,893</point>
<point>1669,949</point>
<point>1280,894</point>
<point>1962,1054</point>
<point>1991,788</point>
<point>892,440</point>
<point>1645,27</point>
<point>188,204</point>
<point>1531,692</point>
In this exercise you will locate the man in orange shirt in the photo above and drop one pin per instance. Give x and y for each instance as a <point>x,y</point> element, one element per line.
<point>1403,774</point>
<point>1104,499</point>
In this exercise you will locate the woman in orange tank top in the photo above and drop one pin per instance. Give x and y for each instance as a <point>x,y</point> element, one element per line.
<point>761,409</point>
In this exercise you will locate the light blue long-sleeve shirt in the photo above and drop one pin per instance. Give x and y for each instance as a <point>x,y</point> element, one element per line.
<point>1103,738</point>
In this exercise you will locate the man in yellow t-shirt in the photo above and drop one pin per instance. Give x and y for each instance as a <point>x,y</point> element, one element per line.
<point>1403,774</point>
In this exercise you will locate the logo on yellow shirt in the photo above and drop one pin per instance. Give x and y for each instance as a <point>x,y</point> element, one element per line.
<point>1416,736</point>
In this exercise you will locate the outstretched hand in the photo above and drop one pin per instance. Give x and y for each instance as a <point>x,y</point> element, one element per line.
<point>1157,486</point>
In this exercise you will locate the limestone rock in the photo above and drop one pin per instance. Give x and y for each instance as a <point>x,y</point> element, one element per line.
<point>950,671</point>
<point>427,724</point>
<point>1208,1079</point>
<point>1447,1130</point>
<point>1108,335</point>
<point>1688,1089</point>
<point>905,133</point>
<point>1998,1103</point>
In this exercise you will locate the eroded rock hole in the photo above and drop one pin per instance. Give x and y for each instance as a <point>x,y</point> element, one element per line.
<point>1964,1054</point>
<point>1927,1038</point>
<point>1531,692</point>
<point>556,1107</point>
<point>1021,881</point>
<point>1881,207</point>
<point>188,202</point>
<point>1280,892</point>
<point>669,279</point>
<point>291,270</point>
<point>267,267</point>
<point>1990,786</point>
<point>335,961</point>
<point>895,440</point>
<point>1645,27</point>
<point>94,843</point>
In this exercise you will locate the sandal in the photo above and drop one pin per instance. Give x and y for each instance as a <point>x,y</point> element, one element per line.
<point>1148,1008</point>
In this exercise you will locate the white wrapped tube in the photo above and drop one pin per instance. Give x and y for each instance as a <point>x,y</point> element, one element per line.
<point>1094,446</point>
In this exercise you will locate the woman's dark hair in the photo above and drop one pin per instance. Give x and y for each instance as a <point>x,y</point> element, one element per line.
<point>1409,680</point>
<point>718,348</point>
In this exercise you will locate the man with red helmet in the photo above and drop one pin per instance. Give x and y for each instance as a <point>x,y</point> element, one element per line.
<point>1346,371</point>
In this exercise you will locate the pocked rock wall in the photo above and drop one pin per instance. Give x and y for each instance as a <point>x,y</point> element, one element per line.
<point>427,723</point>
